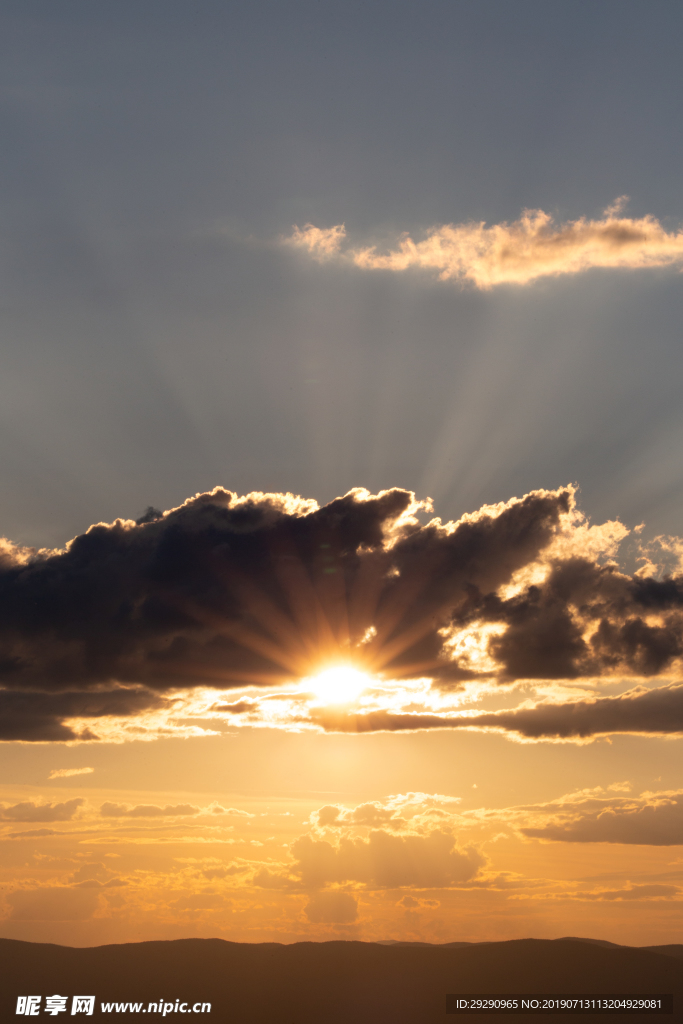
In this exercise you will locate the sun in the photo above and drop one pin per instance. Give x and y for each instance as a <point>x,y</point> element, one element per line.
<point>339,684</point>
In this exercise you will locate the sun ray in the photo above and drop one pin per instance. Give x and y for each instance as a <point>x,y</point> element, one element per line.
<point>338,684</point>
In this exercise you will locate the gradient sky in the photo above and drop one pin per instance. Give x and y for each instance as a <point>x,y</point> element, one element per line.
<point>429,249</point>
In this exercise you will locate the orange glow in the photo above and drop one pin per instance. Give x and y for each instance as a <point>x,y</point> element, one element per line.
<point>517,252</point>
<point>339,684</point>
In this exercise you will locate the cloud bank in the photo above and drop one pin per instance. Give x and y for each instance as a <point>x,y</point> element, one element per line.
<point>653,819</point>
<point>41,812</point>
<point>518,253</point>
<point>386,861</point>
<point>256,593</point>
<point>646,712</point>
<point>109,810</point>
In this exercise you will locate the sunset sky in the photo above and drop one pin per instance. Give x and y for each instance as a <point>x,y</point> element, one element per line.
<point>341,593</point>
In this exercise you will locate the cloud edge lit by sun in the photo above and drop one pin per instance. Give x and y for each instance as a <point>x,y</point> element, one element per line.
<point>514,253</point>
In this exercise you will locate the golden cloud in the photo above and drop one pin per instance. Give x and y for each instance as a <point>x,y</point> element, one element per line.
<point>517,252</point>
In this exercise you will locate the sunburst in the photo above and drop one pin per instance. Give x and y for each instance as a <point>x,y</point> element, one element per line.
<point>338,684</point>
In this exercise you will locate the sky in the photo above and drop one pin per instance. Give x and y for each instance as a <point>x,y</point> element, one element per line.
<point>341,593</point>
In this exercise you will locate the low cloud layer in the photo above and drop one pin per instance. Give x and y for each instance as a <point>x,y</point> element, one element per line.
<point>386,861</point>
<point>33,714</point>
<point>41,812</point>
<point>647,712</point>
<point>256,593</point>
<point>653,891</point>
<point>658,711</point>
<point>510,253</point>
<point>109,810</point>
<point>653,819</point>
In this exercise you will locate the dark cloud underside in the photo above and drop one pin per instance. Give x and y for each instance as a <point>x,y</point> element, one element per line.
<point>654,822</point>
<point>657,711</point>
<point>223,592</point>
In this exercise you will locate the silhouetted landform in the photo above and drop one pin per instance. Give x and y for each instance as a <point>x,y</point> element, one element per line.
<point>671,950</point>
<point>332,982</point>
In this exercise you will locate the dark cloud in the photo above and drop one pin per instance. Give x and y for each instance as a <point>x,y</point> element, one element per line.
<point>640,711</point>
<point>26,812</point>
<point>652,820</point>
<point>31,716</point>
<point>223,592</point>
<point>583,620</point>
<point>656,711</point>
<point>199,595</point>
<point>240,707</point>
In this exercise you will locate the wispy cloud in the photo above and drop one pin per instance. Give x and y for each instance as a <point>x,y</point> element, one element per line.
<point>517,252</point>
<point>65,773</point>
<point>322,243</point>
<point>109,810</point>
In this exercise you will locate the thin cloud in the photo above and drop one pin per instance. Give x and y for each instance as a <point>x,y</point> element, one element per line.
<point>109,810</point>
<point>65,773</point>
<point>517,252</point>
<point>639,892</point>
<point>35,833</point>
<point>30,811</point>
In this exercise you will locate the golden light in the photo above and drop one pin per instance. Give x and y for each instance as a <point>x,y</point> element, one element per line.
<point>339,684</point>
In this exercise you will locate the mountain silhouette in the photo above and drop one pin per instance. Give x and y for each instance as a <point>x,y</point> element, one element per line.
<point>337,982</point>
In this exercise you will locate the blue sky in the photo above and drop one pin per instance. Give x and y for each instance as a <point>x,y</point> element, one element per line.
<point>157,341</point>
